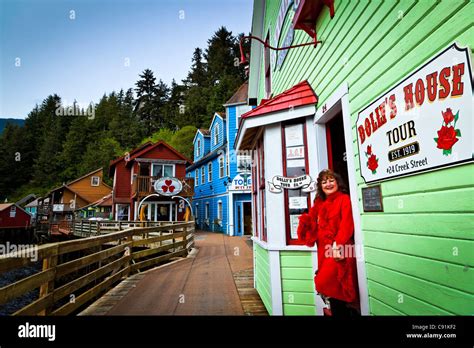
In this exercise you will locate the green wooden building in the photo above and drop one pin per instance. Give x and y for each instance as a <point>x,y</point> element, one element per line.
<point>385,99</point>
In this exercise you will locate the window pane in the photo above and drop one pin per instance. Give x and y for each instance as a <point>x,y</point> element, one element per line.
<point>294,135</point>
<point>168,170</point>
<point>157,170</point>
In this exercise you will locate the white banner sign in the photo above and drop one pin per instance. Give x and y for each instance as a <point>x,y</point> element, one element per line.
<point>423,123</point>
<point>303,182</point>
<point>167,186</point>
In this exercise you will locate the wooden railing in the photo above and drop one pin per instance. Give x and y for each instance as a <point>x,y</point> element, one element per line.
<point>88,228</point>
<point>143,185</point>
<point>76,272</point>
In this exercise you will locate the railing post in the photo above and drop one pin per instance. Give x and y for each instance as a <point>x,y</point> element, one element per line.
<point>185,240</point>
<point>174,239</point>
<point>120,225</point>
<point>47,288</point>
<point>82,227</point>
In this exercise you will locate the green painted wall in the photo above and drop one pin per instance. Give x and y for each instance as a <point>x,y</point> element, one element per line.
<point>262,276</point>
<point>297,283</point>
<point>419,251</point>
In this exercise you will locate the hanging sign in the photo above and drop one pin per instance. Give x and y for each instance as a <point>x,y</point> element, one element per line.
<point>168,186</point>
<point>423,123</point>
<point>294,152</point>
<point>241,182</point>
<point>302,182</point>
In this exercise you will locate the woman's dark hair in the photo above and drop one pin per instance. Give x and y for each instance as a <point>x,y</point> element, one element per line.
<point>328,173</point>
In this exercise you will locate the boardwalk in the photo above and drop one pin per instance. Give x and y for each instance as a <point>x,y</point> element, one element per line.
<point>217,280</point>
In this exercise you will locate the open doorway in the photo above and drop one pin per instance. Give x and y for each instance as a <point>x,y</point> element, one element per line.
<point>334,150</point>
<point>247,218</point>
<point>337,157</point>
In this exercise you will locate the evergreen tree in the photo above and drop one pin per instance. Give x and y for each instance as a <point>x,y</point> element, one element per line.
<point>151,98</point>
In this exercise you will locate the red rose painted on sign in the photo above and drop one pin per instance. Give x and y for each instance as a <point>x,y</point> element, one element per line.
<point>446,138</point>
<point>448,115</point>
<point>372,160</point>
<point>448,135</point>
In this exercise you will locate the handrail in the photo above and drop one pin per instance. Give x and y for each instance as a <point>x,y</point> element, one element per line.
<point>83,269</point>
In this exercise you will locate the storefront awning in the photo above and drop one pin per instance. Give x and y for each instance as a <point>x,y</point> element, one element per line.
<point>298,101</point>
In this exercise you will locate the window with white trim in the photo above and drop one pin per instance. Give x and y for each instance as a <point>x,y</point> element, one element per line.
<point>197,177</point>
<point>219,211</point>
<point>198,148</point>
<point>206,214</point>
<point>196,213</point>
<point>216,134</point>
<point>244,164</point>
<point>162,170</point>
<point>95,180</point>
<point>221,167</point>
<point>122,211</point>
<point>13,211</point>
<point>209,172</point>
<point>295,164</point>
<point>203,176</point>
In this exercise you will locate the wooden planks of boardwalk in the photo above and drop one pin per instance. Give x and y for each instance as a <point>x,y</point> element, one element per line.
<point>218,280</point>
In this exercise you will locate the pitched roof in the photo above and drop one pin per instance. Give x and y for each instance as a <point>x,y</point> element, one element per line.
<point>205,132</point>
<point>298,95</point>
<point>240,96</point>
<point>27,199</point>
<point>161,142</point>
<point>33,203</point>
<point>85,176</point>
<point>4,206</point>
<point>221,114</point>
<point>101,202</point>
<point>131,152</point>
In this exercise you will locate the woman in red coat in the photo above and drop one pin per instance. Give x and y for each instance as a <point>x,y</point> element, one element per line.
<point>329,224</point>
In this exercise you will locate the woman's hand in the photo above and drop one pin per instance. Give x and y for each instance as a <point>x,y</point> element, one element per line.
<point>337,252</point>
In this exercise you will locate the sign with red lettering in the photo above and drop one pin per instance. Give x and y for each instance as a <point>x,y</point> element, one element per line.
<point>423,123</point>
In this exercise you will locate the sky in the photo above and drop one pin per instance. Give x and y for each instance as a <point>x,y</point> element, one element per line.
<point>81,49</point>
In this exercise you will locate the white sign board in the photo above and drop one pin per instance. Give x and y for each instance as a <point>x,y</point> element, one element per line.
<point>241,182</point>
<point>298,202</point>
<point>167,186</point>
<point>303,182</point>
<point>58,207</point>
<point>423,123</point>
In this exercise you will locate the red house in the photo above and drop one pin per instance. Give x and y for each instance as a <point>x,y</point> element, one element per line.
<point>135,175</point>
<point>13,216</point>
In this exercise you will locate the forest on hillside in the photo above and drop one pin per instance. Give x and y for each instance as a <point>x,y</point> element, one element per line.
<point>56,146</point>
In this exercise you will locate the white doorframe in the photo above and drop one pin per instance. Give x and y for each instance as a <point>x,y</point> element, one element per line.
<point>339,102</point>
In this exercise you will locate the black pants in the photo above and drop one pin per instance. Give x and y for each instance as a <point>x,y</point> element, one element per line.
<point>341,309</point>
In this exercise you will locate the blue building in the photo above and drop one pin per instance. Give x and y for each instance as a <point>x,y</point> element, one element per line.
<point>222,178</point>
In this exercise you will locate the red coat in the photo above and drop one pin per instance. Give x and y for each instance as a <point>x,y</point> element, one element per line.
<point>326,222</point>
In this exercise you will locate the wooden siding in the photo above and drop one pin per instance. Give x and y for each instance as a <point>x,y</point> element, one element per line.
<point>213,202</point>
<point>89,192</point>
<point>122,185</point>
<point>68,196</point>
<point>298,291</point>
<point>262,276</point>
<point>221,124</point>
<point>417,252</point>
<point>20,220</point>
<point>205,146</point>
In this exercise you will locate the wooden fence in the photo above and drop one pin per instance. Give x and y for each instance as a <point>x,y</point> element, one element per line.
<point>78,271</point>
